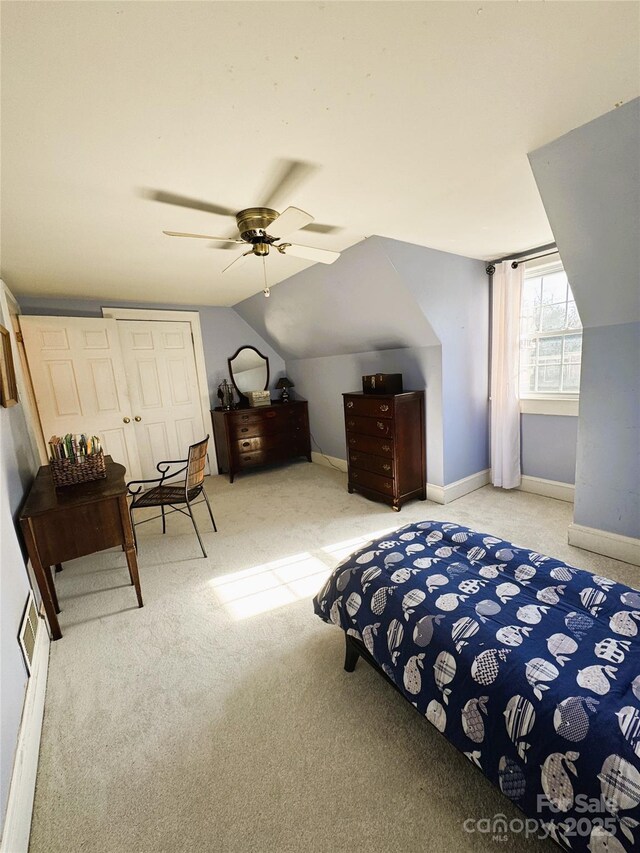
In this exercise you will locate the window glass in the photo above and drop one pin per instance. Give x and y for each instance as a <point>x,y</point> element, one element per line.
<point>550,335</point>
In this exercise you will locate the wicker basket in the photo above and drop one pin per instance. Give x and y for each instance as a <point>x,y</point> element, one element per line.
<point>66,472</point>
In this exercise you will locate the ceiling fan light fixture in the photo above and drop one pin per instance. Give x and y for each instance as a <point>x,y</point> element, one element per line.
<point>261,249</point>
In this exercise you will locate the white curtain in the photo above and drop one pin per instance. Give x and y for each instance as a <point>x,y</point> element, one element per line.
<point>505,403</point>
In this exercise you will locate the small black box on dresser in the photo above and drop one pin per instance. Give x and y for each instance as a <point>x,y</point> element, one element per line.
<point>382,383</point>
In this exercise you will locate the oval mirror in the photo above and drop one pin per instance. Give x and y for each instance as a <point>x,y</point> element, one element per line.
<point>249,371</point>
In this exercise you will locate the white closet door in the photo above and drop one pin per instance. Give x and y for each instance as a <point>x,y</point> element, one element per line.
<point>161,375</point>
<point>79,382</point>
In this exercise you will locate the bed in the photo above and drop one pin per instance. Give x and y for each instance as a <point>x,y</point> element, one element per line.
<point>529,666</point>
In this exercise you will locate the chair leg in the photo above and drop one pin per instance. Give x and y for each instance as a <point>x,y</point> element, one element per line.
<point>133,529</point>
<point>195,527</point>
<point>164,522</point>
<point>209,508</point>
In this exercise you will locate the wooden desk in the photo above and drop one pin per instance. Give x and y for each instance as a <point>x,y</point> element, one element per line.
<point>63,524</point>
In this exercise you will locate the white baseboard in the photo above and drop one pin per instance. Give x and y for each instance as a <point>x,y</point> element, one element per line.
<point>437,494</point>
<point>624,548</point>
<point>547,488</point>
<point>446,494</point>
<point>17,824</point>
<point>329,461</point>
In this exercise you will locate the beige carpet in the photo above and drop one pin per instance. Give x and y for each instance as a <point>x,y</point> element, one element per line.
<point>200,723</point>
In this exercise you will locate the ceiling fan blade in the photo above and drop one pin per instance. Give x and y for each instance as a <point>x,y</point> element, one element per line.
<point>290,220</point>
<point>184,201</point>
<point>201,236</point>
<point>289,174</point>
<point>239,261</point>
<point>310,253</point>
<point>229,244</point>
<point>317,228</point>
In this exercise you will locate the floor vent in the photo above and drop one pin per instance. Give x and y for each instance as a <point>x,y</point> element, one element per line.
<point>29,631</point>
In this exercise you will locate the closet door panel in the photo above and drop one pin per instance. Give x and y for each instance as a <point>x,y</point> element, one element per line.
<point>79,382</point>
<point>165,400</point>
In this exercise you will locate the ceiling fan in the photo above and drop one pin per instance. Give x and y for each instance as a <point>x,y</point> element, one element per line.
<point>255,223</point>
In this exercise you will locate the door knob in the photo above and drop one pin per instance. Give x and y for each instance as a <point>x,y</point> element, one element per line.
<point>137,419</point>
<point>126,420</point>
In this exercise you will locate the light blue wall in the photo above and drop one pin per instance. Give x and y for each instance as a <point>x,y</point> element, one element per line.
<point>223,331</point>
<point>358,304</point>
<point>589,181</point>
<point>323,381</point>
<point>453,293</point>
<point>548,445</point>
<point>17,469</point>
<point>608,462</point>
<point>381,297</point>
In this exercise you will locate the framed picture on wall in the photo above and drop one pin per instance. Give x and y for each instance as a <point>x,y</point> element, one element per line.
<point>8,387</point>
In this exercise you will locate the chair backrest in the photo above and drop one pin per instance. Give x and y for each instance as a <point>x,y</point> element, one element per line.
<point>196,464</point>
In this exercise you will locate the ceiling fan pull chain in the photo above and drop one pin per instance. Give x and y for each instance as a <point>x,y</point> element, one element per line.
<point>266,291</point>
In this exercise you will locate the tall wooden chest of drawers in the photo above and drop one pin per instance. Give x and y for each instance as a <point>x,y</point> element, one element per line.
<point>386,450</point>
<point>246,438</point>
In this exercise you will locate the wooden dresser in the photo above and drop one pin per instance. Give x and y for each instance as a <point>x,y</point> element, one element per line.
<point>386,446</point>
<point>246,438</point>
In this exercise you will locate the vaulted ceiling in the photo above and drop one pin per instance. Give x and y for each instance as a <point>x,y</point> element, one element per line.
<point>417,115</point>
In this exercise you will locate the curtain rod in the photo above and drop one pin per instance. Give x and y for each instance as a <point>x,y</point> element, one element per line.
<point>519,257</point>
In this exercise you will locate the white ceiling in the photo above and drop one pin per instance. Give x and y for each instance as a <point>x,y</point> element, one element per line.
<point>419,114</point>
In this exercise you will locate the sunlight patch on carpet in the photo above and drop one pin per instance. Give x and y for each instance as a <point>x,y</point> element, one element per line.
<point>270,585</point>
<point>340,550</point>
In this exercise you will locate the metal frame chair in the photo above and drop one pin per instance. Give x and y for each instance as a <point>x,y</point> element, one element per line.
<point>164,495</point>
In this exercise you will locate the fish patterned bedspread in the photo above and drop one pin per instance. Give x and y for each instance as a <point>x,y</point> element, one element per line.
<point>529,666</point>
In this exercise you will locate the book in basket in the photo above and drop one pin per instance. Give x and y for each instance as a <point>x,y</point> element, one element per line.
<point>76,459</point>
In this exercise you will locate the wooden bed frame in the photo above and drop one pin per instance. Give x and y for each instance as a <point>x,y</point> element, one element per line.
<point>355,649</point>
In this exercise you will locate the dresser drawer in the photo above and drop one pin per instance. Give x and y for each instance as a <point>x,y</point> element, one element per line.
<point>255,443</point>
<point>268,455</point>
<point>369,444</point>
<point>265,426</point>
<point>369,426</point>
<point>376,464</point>
<point>384,485</point>
<point>248,460</point>
<point>369,407</point>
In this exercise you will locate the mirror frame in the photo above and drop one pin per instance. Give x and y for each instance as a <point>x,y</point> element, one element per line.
<point>243,397</point>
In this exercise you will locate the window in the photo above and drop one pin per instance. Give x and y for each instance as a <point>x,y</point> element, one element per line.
<point>550,335</point>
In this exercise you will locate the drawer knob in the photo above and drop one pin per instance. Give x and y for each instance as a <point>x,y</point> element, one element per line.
<point>245,417</point>
<point>387,485</point>
<point>380,425</point>
<point>350,404</point>
<point>352,441</point>
<point>355,475</point>
<point>386,467</point>
<point>244,429</point>
<point>351,423</point>
<point>354,457</point>
<point>384,407</point>
<point>246,444</point>
<point>386,448</point>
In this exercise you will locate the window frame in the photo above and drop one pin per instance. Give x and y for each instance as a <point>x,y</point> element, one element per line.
<point>545,402</point>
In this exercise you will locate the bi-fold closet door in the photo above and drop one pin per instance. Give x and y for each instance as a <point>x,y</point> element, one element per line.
<point>131,382</point>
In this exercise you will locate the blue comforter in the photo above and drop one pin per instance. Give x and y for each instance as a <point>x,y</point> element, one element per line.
<point>527,665</point>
